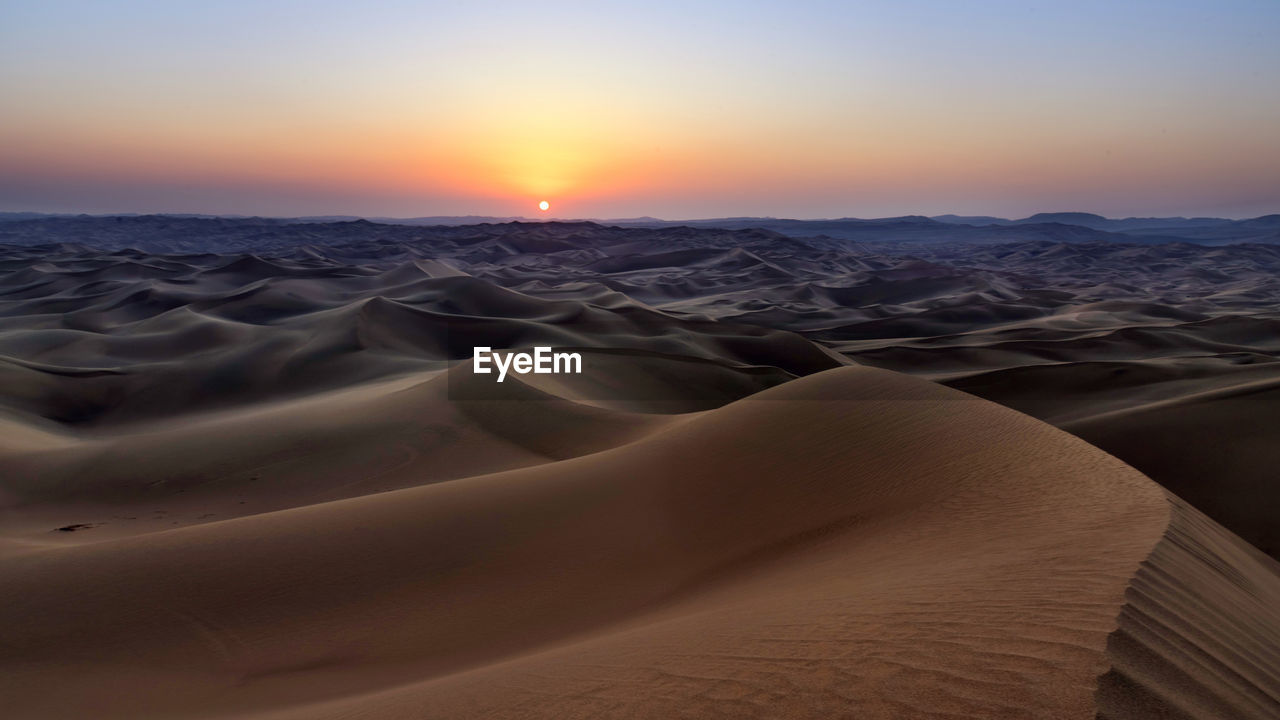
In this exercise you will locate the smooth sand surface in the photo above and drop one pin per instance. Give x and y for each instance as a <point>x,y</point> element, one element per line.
<point>855,543</point>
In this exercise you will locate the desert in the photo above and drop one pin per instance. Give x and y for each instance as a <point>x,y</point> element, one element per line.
<point>272,485</point>
<point>493,360</point>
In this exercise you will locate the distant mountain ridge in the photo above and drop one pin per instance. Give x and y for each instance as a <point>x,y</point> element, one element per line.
<point>1058,227</point>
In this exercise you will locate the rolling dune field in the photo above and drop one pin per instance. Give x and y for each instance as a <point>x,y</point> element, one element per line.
<point>798,477</point>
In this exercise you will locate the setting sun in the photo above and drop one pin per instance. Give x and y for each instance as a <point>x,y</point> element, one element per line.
<point>544,206</point>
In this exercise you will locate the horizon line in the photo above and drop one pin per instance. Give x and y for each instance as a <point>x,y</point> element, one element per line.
<point>340,217</point>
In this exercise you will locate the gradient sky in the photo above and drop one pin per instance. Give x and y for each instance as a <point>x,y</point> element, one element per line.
<point>672,109</point>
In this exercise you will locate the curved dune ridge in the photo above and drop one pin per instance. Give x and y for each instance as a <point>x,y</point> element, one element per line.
<point>852,543</point>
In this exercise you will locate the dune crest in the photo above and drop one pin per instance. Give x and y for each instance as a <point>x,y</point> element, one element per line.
<point>1199,634</point>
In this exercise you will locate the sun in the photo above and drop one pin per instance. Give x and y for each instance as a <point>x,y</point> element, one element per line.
<point>544,206</point>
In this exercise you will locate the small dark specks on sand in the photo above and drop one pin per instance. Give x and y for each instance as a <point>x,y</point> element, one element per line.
<point>206,516</point>
<point>76,526</point>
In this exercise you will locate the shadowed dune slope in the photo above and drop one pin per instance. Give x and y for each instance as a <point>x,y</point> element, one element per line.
<point>1199,634</point>
<point>853,543</point>
<point>1218,450</point>
<point>1209,432</point>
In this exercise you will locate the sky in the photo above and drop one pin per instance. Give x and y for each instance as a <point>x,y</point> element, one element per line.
<point>669,109</point>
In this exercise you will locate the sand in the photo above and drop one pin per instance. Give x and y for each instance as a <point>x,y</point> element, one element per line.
<point>267,485</point>
<point>857,542</point>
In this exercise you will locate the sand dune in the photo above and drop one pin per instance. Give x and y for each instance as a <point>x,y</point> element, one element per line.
<point>853,542</point>
<point>96,339</point>
<point>247,473</point>
<point>215,466</point>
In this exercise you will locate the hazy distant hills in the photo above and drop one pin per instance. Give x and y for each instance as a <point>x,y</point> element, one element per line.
<point>1089,220</point>
<point>1054,227</point>
<point>1205,230</point>
<point>915,229</point>
<point>1062,227</point>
